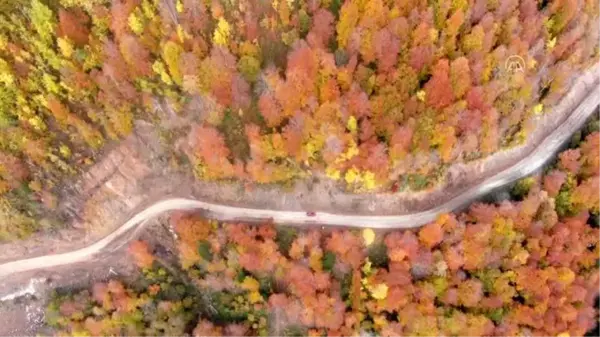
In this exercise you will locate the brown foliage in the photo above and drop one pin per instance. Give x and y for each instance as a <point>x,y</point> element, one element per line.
<point>136,55</point>
<point>590,155</point>
<point>12,170</point>
<point>73,24</point>
<point>190,228</point>
<point>141,254</point>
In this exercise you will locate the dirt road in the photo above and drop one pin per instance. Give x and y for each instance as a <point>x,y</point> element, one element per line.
<point>539,157</point>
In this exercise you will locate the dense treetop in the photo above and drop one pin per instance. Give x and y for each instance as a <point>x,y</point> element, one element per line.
<point>374,93</point>
<point>522,267</point>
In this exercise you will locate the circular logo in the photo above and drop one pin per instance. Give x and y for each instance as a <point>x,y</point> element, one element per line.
<point>514,64</point>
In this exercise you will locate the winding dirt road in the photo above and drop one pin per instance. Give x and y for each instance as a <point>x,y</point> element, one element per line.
<point>540,156</point>
<point>542,153</point>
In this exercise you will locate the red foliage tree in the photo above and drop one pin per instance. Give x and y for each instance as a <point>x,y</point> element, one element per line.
<point>476,245</point>
<point>120,11</point>
<point>431,234</point>
<point>469,124</point>
<point>460,77</point>
<point>208,145</point>
<point>136,55</point>
<point>73,24</point>
<point>438,95</point>
<point>586,194</point>
<point>322,28</point>
<point>293,134</point>
<point>373,157</point>
<point>454,257</point>
<point>590,154</point>
<point>400,141</point>
<point>401,245</point>
<point>114,67</point>
<point>357,102</point>
<point>141,254</point>
<point>420,56</point>
<point>302,281</point>
<point>470,292</point>
<point>251,22</point>
<point>270,109</point>
<point>553,181</point>
<point>217,73</point>
<point>301,75</point>
<point>190,228</point>
<point>329,91</point>
<point>194,17</point>
<point>240,93</point>
<point>347,246</point>
<point>386,47</point>
<point>477,100</point>
<point>569,160</point>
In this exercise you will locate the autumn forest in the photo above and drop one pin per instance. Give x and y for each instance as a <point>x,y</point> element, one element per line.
<point>523,267</point>
<point>373,96</point>
<point>381,95</point>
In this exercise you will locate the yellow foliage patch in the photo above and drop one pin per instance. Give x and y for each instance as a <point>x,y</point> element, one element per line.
<point>352,125</point>
<point>65,46</point>
<point>333,173</point>
<point>254,297</point>
<point>379,291</point>
<point>250,284</point>
<point>352,175</point>
<point>135,23</point>
<point>368,235</point>
<point>222,33</point>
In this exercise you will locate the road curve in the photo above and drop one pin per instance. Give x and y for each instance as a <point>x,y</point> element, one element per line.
<point>543,152</point>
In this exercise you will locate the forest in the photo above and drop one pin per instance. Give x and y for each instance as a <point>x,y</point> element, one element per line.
<point>380,95</point>
<point>521,267</point>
